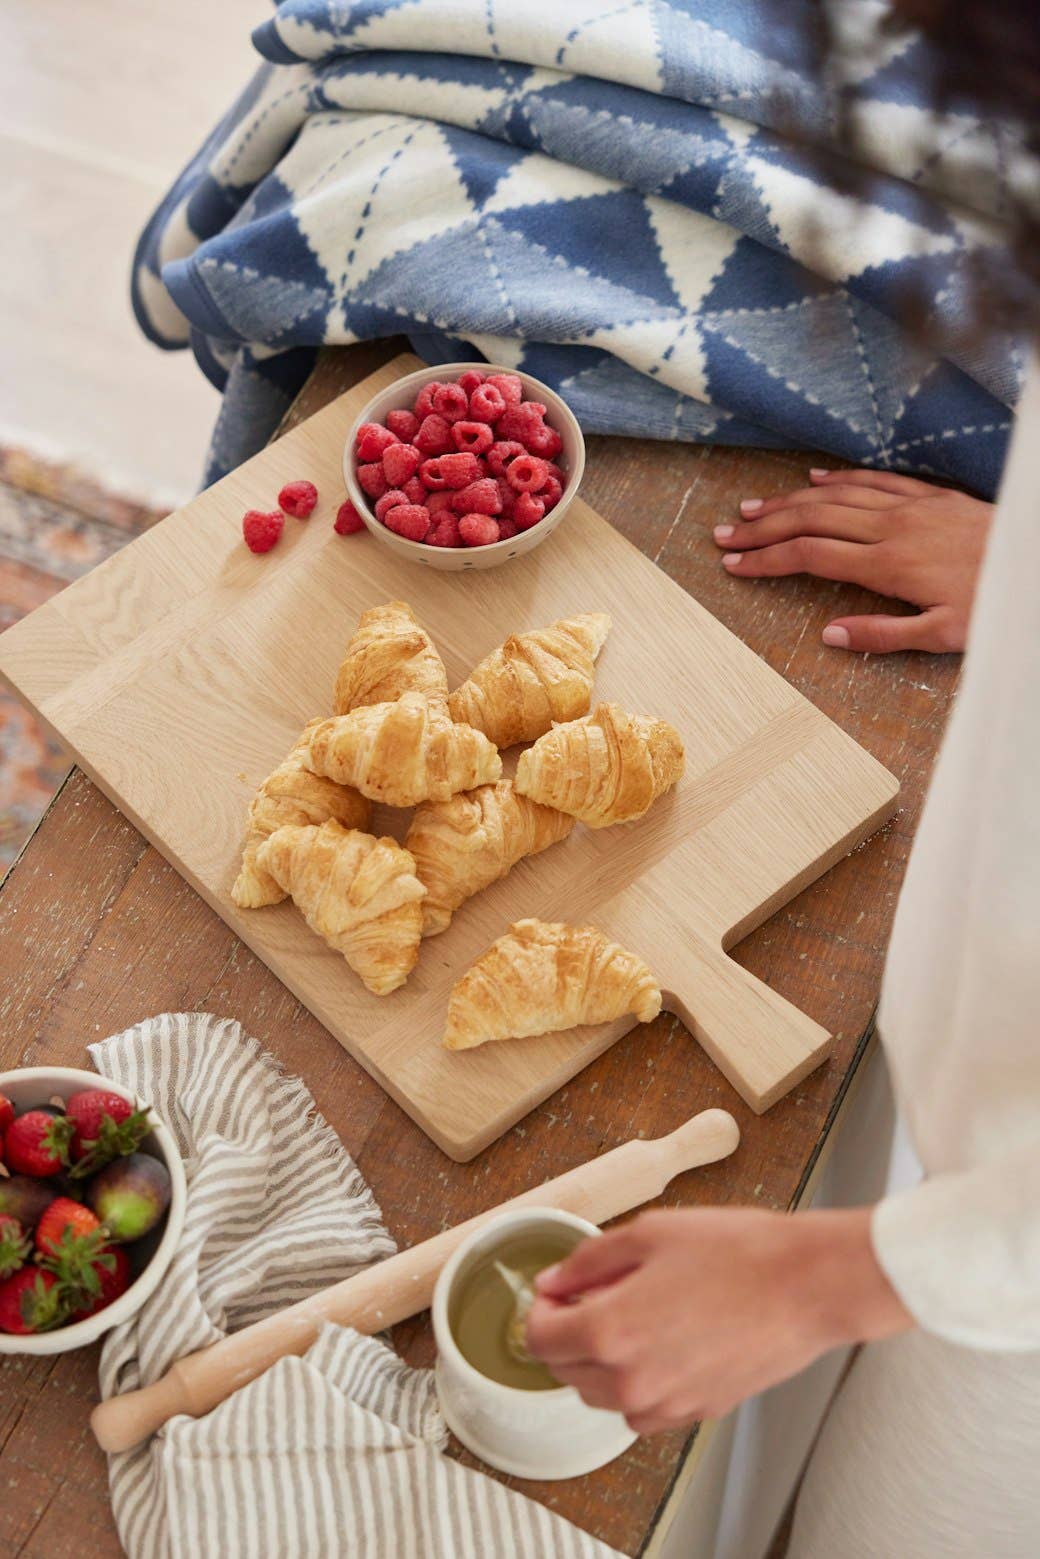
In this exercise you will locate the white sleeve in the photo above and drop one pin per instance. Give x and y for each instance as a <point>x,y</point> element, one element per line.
<point>962,1251</point>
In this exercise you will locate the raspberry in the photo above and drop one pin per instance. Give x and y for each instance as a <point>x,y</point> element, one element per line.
<point>434,436</point>
<point>451,401</point>
<point>551,493</point>
<point>508,386</point>
<point>501,454</point>
<point>506,529</point>
<point>298,499</point>
<point>371,479</point>
<point>389,501</point>
<point>348,521</point>
<point>527,474</point>
<point>482,467</point>
<point>411,520</point>
<point>544,441</point>
<point>478,530</point>
<point>472,436</point>
<point>480,497</point>
<point>431,475</point>
<point>260,530</point>
<point>520,422</point>
<point>372,439</point>
<point>446,532</point>
<point>414,490</point>
<point>507,494</point>
<point>529,510</point>
<point>403,423</point>
<point>487,404</point>
<point>557,473</point>
<point>400,461</point>
<point>424,399</point>
<point>471,380</point>
<point>440,503</point>
<point>458,470</point>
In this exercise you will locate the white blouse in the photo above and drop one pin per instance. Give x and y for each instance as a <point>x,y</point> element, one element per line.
<point>960,1005</point>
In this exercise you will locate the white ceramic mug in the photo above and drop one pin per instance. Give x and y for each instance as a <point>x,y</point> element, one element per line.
<point>530,1434</point>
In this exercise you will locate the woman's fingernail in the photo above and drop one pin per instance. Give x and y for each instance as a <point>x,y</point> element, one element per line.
<point>750,505</point>
<point>732,559</point>
<point>724,532</point>
<point>818,471</point>
<point>837,638</point>
<point>547,1276</point>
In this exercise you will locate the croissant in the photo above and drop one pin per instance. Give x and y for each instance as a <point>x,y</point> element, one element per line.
<point>516,693</point>
<point>462,845</point>
<point>605,769</point>
<point>291,794</point>
<point>390,654</point>
<point>360,893</point>
<point>403,753</point>
<point>540,977</point>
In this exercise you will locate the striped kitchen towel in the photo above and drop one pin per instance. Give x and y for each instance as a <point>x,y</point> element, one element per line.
<point>339,1452</point>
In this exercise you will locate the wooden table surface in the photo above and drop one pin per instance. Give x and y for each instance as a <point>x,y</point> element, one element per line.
<point>97,932</point>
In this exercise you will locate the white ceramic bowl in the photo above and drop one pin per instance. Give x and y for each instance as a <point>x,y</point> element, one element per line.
<point>571,461</point>
<point>546,1435</point>
<point>38,1085</point>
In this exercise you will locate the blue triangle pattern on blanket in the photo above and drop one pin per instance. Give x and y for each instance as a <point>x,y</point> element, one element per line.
<point>609,236</point>
<point>481,163</point>
<point>657,161</point>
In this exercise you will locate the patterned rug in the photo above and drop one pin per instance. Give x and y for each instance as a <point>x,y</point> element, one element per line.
<point>54,526</point>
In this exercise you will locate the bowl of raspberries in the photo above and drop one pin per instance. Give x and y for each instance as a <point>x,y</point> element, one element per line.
<point>92,1196</point>
<point>465,465</point>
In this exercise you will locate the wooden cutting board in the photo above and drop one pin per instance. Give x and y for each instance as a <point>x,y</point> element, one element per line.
<point>180,672</point>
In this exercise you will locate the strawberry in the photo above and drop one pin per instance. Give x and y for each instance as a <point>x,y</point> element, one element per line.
<point>32,1301</point>
<point>14,1247</point>
<point>72,1246</point>
<point>63,1214</point>
<point>6,1113</point>
<point>37,1143</point>
<point>106,1126</point>
<point>114,1281</point>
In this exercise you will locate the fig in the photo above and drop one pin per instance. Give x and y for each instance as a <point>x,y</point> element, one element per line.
<point>24,1197</point>
<point>130,1196</point>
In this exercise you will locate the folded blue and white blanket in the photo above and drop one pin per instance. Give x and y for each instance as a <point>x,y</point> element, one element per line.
<point>613,195</point>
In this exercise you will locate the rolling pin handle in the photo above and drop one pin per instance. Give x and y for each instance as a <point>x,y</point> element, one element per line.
<point>122,1422</point>
<point>711,1135</point>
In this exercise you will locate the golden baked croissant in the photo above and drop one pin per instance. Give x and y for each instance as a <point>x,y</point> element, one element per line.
<point>390,654</point>
<point>403,753</point>
<point>605,769</point>
<point>360,893</point>
<point>291,794</point>
<point>517,691</point>
<point>464,844</point>
<point>542,977</point>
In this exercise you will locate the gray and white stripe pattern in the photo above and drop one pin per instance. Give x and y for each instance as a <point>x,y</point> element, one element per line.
<point>339,1452</point>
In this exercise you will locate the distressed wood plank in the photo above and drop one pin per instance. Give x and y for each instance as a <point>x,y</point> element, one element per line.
<point>96,932</point>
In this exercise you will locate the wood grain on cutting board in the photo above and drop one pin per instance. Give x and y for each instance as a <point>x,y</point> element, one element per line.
<point>180,671</point>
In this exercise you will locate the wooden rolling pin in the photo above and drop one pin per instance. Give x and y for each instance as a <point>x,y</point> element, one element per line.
<point>403,1285</point>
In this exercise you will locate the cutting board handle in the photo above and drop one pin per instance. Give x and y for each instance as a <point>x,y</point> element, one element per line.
<point>760,1042</point>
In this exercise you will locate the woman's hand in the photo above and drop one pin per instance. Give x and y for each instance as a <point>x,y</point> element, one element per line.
<point>891,534</point>
<point>678,1316</point>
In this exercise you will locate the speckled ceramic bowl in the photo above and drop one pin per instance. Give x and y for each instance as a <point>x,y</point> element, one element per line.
<point>33,1085</point>
<point>571,461</point>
